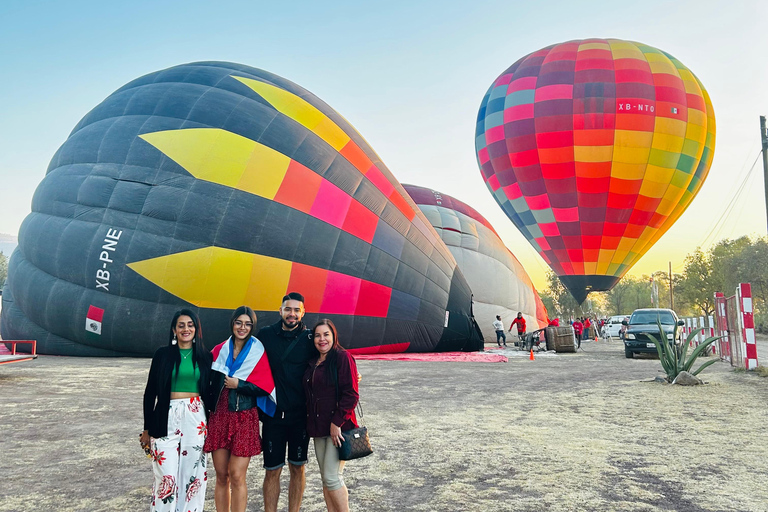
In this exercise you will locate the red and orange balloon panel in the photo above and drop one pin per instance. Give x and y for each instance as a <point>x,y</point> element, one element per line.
<point>594,148</point>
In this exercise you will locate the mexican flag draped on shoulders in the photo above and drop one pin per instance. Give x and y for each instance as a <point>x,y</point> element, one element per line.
<point>251,365</point>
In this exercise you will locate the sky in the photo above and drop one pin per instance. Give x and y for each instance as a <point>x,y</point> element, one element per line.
<point>408,75</point>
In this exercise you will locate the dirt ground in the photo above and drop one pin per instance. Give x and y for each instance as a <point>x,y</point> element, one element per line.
<point>567,432</point>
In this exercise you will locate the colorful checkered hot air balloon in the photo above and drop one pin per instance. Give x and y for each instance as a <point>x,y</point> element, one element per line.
<point>594,148</point>
<point>211,185</point>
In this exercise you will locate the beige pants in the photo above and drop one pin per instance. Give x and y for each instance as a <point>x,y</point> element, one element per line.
<point>331,468</point>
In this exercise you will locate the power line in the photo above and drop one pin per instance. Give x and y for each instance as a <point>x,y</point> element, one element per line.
<point>739,180</point>
<point>743,204</point>
<point>715,229</point>
<point>736,200</point>
<point>734,195</point>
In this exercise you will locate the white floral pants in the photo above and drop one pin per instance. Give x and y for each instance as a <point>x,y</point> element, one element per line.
<point>179,461</point>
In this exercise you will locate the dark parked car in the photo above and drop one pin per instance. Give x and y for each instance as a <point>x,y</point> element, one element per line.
<point>644,322</point>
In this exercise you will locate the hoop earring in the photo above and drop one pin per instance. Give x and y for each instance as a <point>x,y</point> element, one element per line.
<point>173,342</point>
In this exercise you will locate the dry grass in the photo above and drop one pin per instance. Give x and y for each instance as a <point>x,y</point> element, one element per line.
<point>576,432</point>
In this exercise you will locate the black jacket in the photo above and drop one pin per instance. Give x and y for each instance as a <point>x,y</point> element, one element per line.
<point>288,367</point>
<point>157,394</point>
<point>240,399</point>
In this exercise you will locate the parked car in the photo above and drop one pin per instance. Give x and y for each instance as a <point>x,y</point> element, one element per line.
<point>613,326</point>
<point>644,322</point>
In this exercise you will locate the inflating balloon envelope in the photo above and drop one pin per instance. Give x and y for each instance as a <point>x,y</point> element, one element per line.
<point>499,283</point>
<point>594,148</point>
<point>214,185</point>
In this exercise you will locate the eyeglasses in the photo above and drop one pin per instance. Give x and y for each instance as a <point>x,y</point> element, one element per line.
<point>238,323</point>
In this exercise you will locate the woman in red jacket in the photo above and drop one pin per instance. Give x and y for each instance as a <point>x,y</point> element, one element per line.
<point>330,385</point>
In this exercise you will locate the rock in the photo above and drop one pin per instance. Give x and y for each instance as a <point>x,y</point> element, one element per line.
<point>686,379</point>
<point>661,380</point>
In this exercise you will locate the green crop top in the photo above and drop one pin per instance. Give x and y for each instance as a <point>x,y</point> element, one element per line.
<point>188,376</point>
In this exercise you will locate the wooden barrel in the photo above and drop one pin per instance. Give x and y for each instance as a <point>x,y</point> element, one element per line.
<point>560,339</point>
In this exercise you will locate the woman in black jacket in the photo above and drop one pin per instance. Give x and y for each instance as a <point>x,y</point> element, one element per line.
<point>239,368</point>
<point>175,423</point>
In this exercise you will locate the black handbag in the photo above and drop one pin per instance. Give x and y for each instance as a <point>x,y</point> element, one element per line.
<point>356,443</point>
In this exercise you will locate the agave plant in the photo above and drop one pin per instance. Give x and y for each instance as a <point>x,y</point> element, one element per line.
<point>675,358</point>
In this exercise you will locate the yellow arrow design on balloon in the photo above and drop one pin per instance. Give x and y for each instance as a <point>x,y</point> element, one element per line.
<point>223,157</point>
<point>233,278</point>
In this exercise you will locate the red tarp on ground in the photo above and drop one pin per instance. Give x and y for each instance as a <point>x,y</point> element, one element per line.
<point>464,357</point>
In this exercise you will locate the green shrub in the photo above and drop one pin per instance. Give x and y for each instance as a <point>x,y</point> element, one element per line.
<point>675,358</point>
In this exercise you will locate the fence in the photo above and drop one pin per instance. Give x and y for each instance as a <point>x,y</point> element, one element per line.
<point>704,328</point>
<point>736,326</point>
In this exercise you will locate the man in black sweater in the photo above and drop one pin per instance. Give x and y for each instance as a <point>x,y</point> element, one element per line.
<point>289,347</point>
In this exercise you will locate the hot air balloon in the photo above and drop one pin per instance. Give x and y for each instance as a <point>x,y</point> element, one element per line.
<point>213,185</point>
<point>499,283</point>
<point>593,149</point>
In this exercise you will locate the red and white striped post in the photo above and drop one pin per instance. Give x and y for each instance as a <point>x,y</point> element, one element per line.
<point>744,292</point>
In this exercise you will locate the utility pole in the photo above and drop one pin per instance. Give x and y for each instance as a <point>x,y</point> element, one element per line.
<point>671,296</point>
<point>764,137</point>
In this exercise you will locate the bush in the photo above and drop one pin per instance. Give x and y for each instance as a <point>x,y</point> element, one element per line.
<point>675,359</point>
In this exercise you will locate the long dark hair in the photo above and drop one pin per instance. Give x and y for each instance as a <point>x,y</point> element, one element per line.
<point>332,357</point>
<point>242,310</point>
<point>198,347</point>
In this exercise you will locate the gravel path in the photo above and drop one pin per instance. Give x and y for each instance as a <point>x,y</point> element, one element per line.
<point>566,432</point>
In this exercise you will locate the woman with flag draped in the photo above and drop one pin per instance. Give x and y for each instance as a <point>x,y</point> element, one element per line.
<point>241,381</point>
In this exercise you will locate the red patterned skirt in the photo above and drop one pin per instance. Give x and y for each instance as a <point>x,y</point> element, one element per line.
<point>237,432</point>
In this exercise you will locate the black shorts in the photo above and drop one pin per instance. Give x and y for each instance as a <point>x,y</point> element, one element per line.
<point>276,435</point>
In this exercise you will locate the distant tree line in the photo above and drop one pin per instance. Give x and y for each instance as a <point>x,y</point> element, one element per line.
<point>719,269</point>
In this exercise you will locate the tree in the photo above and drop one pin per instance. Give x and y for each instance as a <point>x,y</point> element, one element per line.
<point>564,303</point>
<point>727,264</point>
<point>640,295</point>
<point>698,284</point>
<point>549,302</point>
<point>3,269</point>
<point>618,297</point>
<point>752,267</point>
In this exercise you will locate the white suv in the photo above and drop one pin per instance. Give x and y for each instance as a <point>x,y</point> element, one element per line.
<point>613,325</point>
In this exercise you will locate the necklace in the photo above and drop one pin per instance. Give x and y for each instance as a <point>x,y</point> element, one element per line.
<point>183,355</point>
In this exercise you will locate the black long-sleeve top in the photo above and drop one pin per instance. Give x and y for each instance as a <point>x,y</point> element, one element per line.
<point>288,367</point>
<point>157,394</point>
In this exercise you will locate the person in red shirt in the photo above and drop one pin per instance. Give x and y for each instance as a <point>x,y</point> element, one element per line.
<point>520,321</point>
<point>587,325</point>
<point>578,327</point>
